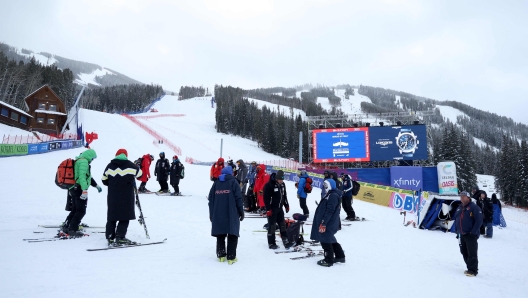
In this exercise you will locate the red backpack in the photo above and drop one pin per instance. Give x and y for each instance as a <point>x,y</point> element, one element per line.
<point>308,185</point>
<point>65,177</point>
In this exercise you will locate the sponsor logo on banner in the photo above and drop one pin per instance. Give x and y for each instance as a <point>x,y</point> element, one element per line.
<point>410,178</point>
<point>33,149</point>
<point>406,202</point>
<point>7,149</point>
<point>408,142</point>
<point>447,178</point>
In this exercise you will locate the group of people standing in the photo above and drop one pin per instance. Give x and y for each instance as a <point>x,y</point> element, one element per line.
<point>164,170</point>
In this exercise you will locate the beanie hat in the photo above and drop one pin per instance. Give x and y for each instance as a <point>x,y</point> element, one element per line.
<point>279,175</point>
<point>227,170</point>
<point>122,151</point>
<point>175,157</point>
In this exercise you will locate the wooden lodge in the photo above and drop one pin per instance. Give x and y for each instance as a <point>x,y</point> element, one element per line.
<point>13,116</point>
<point>47,110</point>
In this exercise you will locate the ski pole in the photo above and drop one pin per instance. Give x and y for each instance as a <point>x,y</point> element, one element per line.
<point>141,219</point>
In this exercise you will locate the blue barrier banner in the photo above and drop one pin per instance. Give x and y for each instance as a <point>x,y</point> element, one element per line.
<point>408,142</point>
<point>43,148</point>
<point>410,178</point>
<point>33,148</point>
<point>341,144</point>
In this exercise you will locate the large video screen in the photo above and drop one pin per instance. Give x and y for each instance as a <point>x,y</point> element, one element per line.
<point>408,142</point>
<point>341,144</point>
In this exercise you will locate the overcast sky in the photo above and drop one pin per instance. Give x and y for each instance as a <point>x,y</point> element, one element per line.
<point>475,52</point>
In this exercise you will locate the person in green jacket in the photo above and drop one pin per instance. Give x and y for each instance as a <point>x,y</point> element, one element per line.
<point>79,192</point>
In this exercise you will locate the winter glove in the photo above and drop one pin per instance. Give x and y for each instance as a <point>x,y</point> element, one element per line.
<point>287,209</point>
<point>269,213</point>
<point>322,228</point>
<point>99,189</point>
<point>84,195</point>
<point>241,214</point>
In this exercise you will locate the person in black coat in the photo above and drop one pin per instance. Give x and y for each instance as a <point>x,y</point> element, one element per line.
<point>275,198</point>
<point>120,177</point>
<point>486,206</point>
<point>226,212</point>
<point>347,197</point>
<point>175,174</point>
<point>162,172</point>
<point>326,224</point>
<point>242,175</point>
<point>468,219</point>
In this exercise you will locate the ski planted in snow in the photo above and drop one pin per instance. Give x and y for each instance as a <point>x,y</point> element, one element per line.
<point>127,246</point>
<point>141,218</point>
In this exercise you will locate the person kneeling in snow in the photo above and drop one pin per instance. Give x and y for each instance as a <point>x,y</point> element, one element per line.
<point>120,175</point>
<point>325,225</point>
<point>226,212</point>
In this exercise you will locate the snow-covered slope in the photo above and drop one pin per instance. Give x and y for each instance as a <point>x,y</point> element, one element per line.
<point>352,105</point>
<point>283,109</point>
<point>89,78</point>
<point>381,254</point>
<point>44,60</point>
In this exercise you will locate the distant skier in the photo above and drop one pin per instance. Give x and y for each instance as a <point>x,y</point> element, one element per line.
<point>119,176</point>
<point>216,169</point>
<point>275,198</point>
<point>326,224</point>
<point>301,193</point>
<point>348,186</point>
<point>162,172</point>
<point>226,212</point>
<point>468,219</point>
<point>146,160</point>
<point>261,179</point>
<point>176,174</point>
<point>242,174</point>
<point>79,192</point>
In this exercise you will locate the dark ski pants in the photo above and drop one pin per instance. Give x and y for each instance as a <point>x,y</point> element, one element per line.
<point>232,242</point>
<point>142,186</point>
<point>277,217</point>
<point>164,185</point>
<point>332,251</point>
<point>347,206</point>
<point>469,249</point>
<point>304,207</point>
<point>120,232</point>
<point>78,208</point>
<point>175,183</point>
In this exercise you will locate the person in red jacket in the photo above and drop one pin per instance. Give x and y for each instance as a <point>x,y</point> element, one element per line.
<point>260,180</point>
<point>216,169</point>
<point>145,168</point>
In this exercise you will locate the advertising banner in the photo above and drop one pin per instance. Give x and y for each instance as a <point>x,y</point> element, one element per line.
<point>408,202</point>
<point>447,178</point>
<point>43,148</point>
<point>407,178</point>
<point>8,149</point>
<point>341,144</point>
<point>376,194</point>
<point>33,148</point>
<point>408,142</point>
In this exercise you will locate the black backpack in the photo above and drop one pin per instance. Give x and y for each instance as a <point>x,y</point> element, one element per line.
<point>138,162</point>
<point>355,188</point>
<point>294,232</point>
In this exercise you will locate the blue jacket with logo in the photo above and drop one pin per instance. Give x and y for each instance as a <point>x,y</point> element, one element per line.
<point>327,212</point>
<point>468,219</point>
<point>225,204</point>
<point>300,187</point>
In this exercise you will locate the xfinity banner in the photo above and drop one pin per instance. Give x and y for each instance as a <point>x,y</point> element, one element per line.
<point>341,144</point>
<point>408,142</point>
<point>447,178</point>
<point>410,178</point>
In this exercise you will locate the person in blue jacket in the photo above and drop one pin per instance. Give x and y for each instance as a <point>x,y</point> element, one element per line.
<point>468,219</point>
<point>301,193</point>
<point>226,212</point>
<point>326,224</point>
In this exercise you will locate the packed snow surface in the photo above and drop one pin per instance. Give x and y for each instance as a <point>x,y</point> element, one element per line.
<point>383,258</point>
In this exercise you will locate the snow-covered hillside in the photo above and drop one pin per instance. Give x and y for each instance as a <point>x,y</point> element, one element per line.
<point>283,109</point>
<point>382,256</point>
<point>89,78</point>
<point>44,60</point>
<point>353,104</point>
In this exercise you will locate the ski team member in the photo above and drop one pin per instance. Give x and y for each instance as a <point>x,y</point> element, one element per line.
<point>226,212</point>
<point>486,206</point>
<point>146,160</point>
<point>242,174</point>
<point>260,180</point>
<point>79,192</point>
<point>301,193</point>
<point>468,219</point>
<point>175,174</point>
<point>326,224</point>
<point>120,175</point>
<point>162,172</point>
<point>216,169</point>
<point>347,197</point>
<point>275,198</point>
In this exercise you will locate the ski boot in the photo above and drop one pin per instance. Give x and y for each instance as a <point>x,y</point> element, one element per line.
<point>110,241</point>
<point>124,241</point>
<point>231,262</point>
<point>287,244</point>
<point>324,263</point>
<point>339,260</point>
<point>75,234</point>
<point>273,246</point>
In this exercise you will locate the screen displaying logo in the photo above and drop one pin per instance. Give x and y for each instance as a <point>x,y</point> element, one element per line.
<point>408,142</point>
<point>341,145</point>
<point>410,178</point>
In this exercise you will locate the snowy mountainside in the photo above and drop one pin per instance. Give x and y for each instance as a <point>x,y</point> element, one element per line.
<point>376,265</point>
<point>283,109</point>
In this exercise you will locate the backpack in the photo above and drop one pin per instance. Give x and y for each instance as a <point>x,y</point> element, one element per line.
<point>294,232</point>
<point>355,188</point>
<point>182,172</point>
<point>138,162</point>
<point>65,177</point>
<point>308,185</point>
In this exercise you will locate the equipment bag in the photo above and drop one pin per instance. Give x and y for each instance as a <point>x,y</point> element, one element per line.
<point>294,232</point>
<point>65,177</point>
<point>355,188</point>
<point>308,185</point>
<point>138,162</point>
